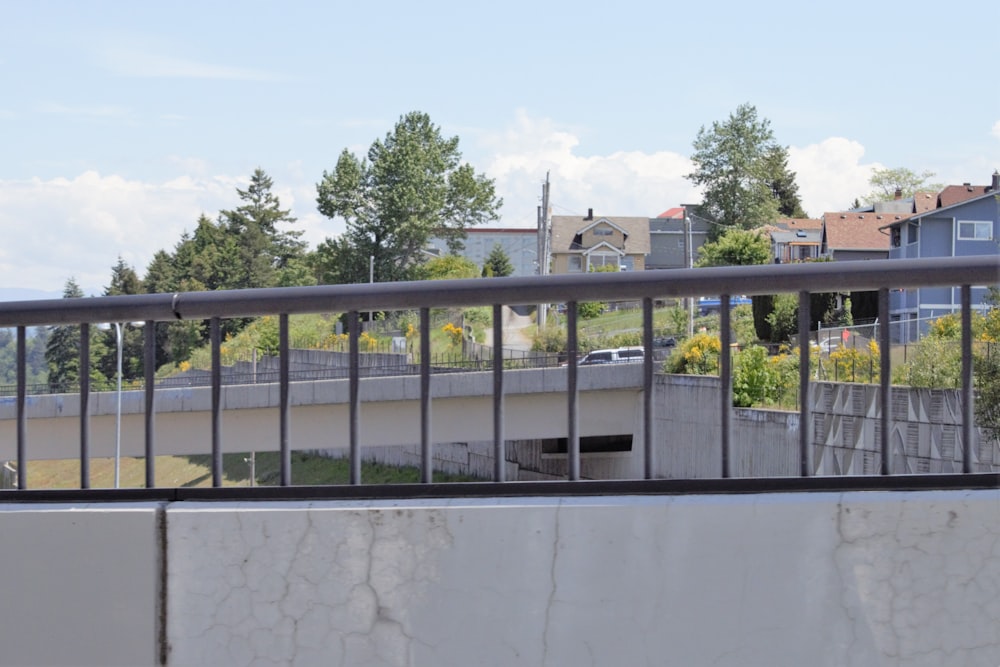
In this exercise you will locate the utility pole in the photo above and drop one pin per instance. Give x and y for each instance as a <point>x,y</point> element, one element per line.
<point>688,262</point>
<point>543,248</point>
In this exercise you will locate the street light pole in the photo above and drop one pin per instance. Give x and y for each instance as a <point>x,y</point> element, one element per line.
<point>118,411</point>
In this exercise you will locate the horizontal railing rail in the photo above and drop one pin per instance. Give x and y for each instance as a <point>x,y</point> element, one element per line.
<point>644,287</point>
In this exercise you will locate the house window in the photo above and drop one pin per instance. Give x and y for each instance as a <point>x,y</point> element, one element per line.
<point>602,231</point>
<point>912,233</point>
<point>598,261</point>
<point>897,237</point>
<point>975,230</point>
<point>574,264</point>
<point>628,264</point>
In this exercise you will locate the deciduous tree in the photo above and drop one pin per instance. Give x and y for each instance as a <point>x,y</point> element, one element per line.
<point>411,185</point>
<point>886,182</point>
<point>739,164</point>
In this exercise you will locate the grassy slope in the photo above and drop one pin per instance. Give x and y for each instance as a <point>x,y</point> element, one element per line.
<point>195,471</point>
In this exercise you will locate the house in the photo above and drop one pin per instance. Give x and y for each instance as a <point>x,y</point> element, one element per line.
<point>519,244</point>
<point>581,244</point>
<point>795,239</point>
<point>853,235</point>
<point>668,238</point>
<point>966,222</point>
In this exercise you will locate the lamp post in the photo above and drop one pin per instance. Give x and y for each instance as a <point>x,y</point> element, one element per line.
<point>119,326</point>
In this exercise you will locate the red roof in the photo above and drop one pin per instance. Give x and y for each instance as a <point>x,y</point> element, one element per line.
<point>858,231</point>
<point>675,213</point>
<point>953,194</point>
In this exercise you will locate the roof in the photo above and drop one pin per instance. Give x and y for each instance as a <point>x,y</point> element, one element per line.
<point>800,236</point>
<point>566,227</point>
<point>793,224</point>
<point>846,230</point>
<point>924,201</point>
<point>955,194</point>
<point>934,211</point>
<point>676,213</point>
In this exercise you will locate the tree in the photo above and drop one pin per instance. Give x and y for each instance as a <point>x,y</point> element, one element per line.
<point>62,349</point>
<point>739,164</point>
<point>887,182</point>
<point>735,247</point>
<point>124,280</point>
<point>411,185</point>
<point>449,267</point>
<point>497,264</point>
<point>263,250</point>
<point>783,185</point>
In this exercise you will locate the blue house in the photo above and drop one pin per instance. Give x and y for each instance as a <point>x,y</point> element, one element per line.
<point>966,222</point>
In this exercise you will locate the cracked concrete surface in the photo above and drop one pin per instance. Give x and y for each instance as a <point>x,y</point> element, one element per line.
<point>875,578</point>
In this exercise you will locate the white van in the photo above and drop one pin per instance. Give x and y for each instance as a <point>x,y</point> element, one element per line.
<point>620,355</point>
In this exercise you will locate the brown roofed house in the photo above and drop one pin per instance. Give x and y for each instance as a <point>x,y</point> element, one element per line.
<point>850,236</point>
<point>581,244</point>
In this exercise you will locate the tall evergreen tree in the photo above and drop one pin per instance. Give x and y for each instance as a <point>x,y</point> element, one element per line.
<point>124,280</point>
<point>263,249</point>
<point>62,349</point>
<point>783,185</point>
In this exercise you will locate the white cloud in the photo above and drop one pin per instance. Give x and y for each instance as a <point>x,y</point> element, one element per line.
<point>830,174</point>
<point>138,63</point>
<point>61,228</point>
<point>622,183</point>
<point>996,130</point>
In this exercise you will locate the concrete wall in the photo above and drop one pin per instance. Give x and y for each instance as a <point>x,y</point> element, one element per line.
<point>858,578</point>
<point>926,438</point>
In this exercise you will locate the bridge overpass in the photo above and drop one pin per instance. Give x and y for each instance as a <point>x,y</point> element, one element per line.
<point>884,569</point>
<point>319,413</point>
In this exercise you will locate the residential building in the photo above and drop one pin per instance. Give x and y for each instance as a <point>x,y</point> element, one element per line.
<point>851,235</point>
<point>581,244</point>
<point>966,222</point>
<point>795,239</point>
<point>520,245</point>
<point>669,237</point>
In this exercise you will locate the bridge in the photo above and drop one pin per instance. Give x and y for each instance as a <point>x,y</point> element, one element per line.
<point>787,568</point>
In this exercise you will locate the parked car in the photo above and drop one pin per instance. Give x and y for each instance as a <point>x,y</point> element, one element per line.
<point>621,355</point>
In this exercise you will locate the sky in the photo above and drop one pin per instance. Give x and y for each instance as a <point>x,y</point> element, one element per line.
<point>122,122</point>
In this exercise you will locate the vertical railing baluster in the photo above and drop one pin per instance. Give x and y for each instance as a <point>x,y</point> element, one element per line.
<point>806,466</point>
<point>426,451</point>
<point>885,381</point>
<point>354,387</point>
<point>647,388</point>
<point>499,444</point>
<point>215,336</point>
<point>85,405</point>
<point>284,398</point>
<point>573,395</point>
<point>149,378</point>
<point>968,412</point>
<point>22,414</point>
<point>726,384</point>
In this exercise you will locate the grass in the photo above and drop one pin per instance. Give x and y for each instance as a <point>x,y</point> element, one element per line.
<point>196,471</point>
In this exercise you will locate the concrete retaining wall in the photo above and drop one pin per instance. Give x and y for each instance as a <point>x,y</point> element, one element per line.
<point>825,579</point>
<point>926,438</point>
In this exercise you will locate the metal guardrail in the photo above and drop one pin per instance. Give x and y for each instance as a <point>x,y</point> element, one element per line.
<point>645,287</point>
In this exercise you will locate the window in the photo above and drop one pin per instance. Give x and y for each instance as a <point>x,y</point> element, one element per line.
<point>897,237</point>
<point>602,231</point>
<point>912,233</point>
<point>598,260</point>
<point>628,263</point>
<point>975,230</point>
<point>574,264</point>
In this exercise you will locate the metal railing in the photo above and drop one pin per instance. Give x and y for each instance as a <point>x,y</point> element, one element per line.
<point>644,287</point>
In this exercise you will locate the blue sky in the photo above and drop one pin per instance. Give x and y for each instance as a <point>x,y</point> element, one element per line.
<point>121,122</point>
